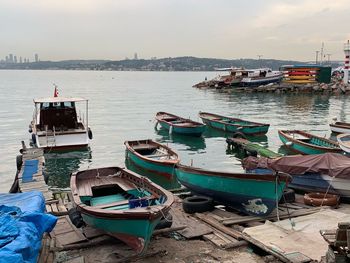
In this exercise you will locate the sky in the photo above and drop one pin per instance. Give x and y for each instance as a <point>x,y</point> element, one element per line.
<point>229,29</point>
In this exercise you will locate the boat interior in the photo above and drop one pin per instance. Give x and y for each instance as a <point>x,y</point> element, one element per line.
<point>153,151</point>
<point>59,117</point>
<point>314,140</point>
<point>115,193</point>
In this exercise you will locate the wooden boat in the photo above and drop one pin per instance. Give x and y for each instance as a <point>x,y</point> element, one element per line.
<point>340,127</point>
<point>344,142</point>
<point>229,124</point>
<point>328,172</point>
<point>253,194</point>
<point>152,156</point>
<point>306,143</point>
<point>56,125</point>
<point>120,202</point>
<point>176,124</point>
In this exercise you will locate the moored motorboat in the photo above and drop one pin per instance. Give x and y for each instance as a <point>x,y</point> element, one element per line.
<point>344,142</point>
<point>328,172</point>
<point>56,125</point>
<point>120,202</point>
<point>152,156</point>
<point>230,124</point>
<point>255,194</point>
<point>179,125</point>
<point>261,76</point>
<point>306,143</point>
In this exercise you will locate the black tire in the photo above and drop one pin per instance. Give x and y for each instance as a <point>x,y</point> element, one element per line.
<point>165,222</point>
<point>76,218</point>
<point>197,204</point>
<point>288,196</point>
<point>239,135</point>
<point>19,161</point>
<point>90,134</point>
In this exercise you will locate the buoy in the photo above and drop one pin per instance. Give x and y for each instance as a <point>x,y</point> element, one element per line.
<point>289,143</point>
<point>90,133</point>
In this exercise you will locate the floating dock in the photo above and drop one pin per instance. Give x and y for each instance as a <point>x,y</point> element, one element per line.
<point>251,148</point>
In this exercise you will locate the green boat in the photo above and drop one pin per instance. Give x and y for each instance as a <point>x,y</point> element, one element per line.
<point>229,124</point>
<point>120,202</point>
<point>249,193</point>
<point>306,143</point>
<point>176,124</point>
<point>152,156</point>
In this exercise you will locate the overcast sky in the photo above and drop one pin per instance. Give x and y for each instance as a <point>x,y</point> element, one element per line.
<point>115,29</point>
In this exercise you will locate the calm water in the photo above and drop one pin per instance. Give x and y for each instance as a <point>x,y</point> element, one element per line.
<point>123,105</point>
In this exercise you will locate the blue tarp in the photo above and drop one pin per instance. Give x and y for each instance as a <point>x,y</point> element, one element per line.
<point>22,223</point>
<point>30,168</point>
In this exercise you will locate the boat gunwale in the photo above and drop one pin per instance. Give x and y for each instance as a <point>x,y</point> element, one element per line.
<point>162,162</point>
<point>339,124</point>
<point>156,211</point>
<point>195,124</point>
<point>310,136</point>
<point>246,176</point>
<point>258,124</point>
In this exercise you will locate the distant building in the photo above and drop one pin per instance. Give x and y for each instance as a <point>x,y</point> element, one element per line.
<point>36,58</point>
<point>20,59</point>
<point>10,58</point>
<point>135,56</point>
<point>14,59</point>
<point>7,59</point>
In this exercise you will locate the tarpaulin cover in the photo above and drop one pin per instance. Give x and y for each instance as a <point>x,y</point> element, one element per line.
<point>22,224</point>
<point>30,168</point>
<point>332,164</point>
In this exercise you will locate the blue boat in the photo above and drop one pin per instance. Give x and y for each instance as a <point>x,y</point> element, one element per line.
<point>176,124</point>
<point>329,172</point>
<point>254,194</point>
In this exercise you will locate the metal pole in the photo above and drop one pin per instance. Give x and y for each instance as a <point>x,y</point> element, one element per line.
<point>87,114</point>
<point>317,56</point>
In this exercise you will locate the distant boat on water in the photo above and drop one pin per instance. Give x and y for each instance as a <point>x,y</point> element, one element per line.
<point>344,142</point>
<point>179,125</point>
<point>340,127</point>
<point>56,125</point>
<point>230,124</point>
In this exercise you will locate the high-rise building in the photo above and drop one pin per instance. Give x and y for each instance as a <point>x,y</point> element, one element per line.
<point>7,59</point>
<point>10,58</point>
<point>14,59</point>
<point>20,59</point>
<point>135,56</point>
<point>36,58</point>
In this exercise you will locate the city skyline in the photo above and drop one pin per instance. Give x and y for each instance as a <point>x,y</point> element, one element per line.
<point>113,30</point>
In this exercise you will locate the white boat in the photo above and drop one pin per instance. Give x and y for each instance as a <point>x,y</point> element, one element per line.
<point>56,125</point>
<point>340,127</point>
<point>261,76</point>
<point>344,142</point>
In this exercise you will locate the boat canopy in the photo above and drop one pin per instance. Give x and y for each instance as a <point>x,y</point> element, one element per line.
<point>58,99</point>
<point>332,164</point>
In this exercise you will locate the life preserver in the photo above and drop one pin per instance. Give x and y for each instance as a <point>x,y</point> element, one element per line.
<point>318,199</point>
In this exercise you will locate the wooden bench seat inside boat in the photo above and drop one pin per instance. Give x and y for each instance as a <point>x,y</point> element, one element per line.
<point>122,202</point>
<point>85,186</point>
<point>157,155</point>
<point>143,146</point>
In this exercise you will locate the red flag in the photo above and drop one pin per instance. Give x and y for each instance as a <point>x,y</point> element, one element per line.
<point>55,94</point>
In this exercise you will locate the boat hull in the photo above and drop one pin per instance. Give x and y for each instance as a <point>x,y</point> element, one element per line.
<point>304,148</point>
<point>250,196</point>
<point>259,130</point>
<point>343,129</point>
<point>163,169</point>
<point>134,232</point>
<point>192,131</point>
<point>344,142</point>
<point>251,82</point>
<point>73,141</point>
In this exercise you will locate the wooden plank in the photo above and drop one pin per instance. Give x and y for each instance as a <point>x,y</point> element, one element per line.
<point>48,208</point>
<point>215,239</point>
<point>211,221</point>
<point>79,259</point>
<point>54,208</point>
<point>195,228</point>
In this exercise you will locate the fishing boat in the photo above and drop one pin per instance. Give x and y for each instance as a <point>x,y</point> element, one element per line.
<point>340,127</point>
<point>56,125</point>
<point>230,124</point>
<point>120,202</point>
<point>254,194</point>
<point>261,76</point>
<point>152,156</point>
<point>306,143</point>
<point>328,172</point>
<point>344,142</point>
<point>176,124</point>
